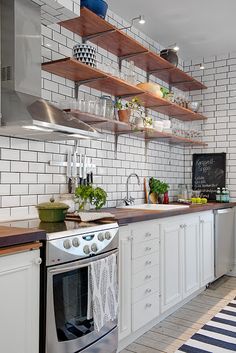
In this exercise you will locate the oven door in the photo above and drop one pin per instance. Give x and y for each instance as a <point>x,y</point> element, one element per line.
<point>67,328</point>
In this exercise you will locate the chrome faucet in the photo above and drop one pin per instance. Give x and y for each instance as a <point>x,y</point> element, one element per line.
<point>129,200</point>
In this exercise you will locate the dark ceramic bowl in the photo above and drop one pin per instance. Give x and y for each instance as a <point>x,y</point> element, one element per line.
<point>99,7</point>
<point>170,55</point>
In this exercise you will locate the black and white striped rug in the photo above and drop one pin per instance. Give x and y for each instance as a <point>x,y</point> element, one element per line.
<point>217,336</point>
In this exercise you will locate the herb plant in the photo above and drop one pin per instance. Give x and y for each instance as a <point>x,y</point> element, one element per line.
<point>85,194</point>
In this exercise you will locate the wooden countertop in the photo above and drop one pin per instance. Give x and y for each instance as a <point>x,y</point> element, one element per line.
<point>10,236</point>
<point>126,216</point>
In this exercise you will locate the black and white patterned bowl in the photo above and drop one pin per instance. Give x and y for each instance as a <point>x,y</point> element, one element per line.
<point>85,53</point>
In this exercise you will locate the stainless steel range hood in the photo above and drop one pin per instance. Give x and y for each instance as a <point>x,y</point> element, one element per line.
<point>24,113</point>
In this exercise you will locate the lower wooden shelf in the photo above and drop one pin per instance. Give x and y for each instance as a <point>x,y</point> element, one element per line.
<point>121,128</point>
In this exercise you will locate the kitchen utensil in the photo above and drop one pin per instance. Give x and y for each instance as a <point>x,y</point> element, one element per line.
<point>151,87</point>
<point>170,55</point>
<point>52,211</point>
<point>85,53</point>
<point>194,106</point>
<point>99,7</point>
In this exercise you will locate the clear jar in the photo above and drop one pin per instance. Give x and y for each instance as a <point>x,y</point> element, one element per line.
<point>107,107</point>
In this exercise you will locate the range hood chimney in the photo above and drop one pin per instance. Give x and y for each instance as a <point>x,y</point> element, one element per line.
<point>24,112</point>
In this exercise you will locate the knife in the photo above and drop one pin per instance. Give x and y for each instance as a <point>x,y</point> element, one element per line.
<point>68,172</point>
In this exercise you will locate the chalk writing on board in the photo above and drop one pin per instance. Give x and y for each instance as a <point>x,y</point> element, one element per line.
<point>208,171</point>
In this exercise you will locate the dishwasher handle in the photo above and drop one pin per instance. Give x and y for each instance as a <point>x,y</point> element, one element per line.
<point>224,210</point>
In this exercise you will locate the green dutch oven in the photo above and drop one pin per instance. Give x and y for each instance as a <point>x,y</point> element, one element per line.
<point>52,211</point>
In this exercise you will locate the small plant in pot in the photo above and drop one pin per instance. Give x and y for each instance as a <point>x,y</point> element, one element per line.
<point>125,109</point>
<point>157,190</point>
<point>87,195</point>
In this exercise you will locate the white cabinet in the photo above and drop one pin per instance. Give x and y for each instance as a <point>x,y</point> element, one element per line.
<point>191,243</point>
<point>171,258</point>
<point>125,282</point>
<point>206,248</point>
<point>19,302</point>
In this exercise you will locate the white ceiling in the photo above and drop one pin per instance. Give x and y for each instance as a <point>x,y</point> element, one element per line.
<point>200,27</point>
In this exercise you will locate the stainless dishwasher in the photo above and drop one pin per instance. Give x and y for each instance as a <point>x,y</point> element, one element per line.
<point>224,241</point>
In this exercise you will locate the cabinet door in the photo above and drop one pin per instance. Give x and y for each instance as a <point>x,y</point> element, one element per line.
<point>191,269</point>
<point>171,281</point>
<point>207,248</point>
<point>19,304</point>
<point>125,281</point>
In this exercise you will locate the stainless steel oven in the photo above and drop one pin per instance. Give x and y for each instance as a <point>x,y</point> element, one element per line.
<point>68,328</point>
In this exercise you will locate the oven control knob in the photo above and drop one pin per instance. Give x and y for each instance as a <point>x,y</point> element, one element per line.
<point>76,242</point>
<point>86,249</point>
<point>108,235</point>
<point>67,244</point>
<point>101,236</point>
<point>94,247</point>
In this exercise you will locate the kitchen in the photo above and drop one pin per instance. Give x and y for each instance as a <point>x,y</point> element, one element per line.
<point>40,159</point>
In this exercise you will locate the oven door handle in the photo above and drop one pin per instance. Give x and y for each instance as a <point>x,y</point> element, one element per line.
<point>81,263</point>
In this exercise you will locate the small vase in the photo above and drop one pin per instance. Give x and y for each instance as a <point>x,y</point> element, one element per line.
<point>83,206</point>
<point>160,198</point>
<point>153,197</point>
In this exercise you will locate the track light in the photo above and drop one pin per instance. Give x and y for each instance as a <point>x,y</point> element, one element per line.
<point>202,67</point>
<point>141,20</point>
<point>174,46</point>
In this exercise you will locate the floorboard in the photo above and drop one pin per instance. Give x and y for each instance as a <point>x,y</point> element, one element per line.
<point>171,333</point>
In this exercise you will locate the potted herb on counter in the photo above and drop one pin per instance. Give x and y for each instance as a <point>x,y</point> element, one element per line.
<point>86,195</point>
<point>157,190</point>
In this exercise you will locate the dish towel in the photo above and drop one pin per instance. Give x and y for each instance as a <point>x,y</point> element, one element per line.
<point>103,291</point>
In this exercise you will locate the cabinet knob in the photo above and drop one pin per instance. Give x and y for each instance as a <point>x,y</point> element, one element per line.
<point>147,235</point>
<point>148,305</point>
<point>148,290</point>
<point>38,261</point>
<point>130,238</point>
<point>201,221</point>
<point>181,226</point>
<point>148,248</point>
<point>148,277</point>
<point>148,262</point>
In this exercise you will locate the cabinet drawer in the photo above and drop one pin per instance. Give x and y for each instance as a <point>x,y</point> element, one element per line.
<point>145,231</point>
<point>146,290</point>
<point>145,262</point>
<point>144,311</point>
<point>145,248</point>
<point>144,277</point>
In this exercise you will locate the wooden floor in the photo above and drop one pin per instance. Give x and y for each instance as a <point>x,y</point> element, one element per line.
<point>171,333</point>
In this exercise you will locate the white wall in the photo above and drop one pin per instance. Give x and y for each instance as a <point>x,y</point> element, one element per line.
<point>219,105</point>
<point>25,176</point>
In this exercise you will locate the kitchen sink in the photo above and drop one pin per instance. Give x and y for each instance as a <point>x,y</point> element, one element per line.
<point>156,207</point>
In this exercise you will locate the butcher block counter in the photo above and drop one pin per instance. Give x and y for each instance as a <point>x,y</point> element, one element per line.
<point>127,215</point>
<point>10,236</point>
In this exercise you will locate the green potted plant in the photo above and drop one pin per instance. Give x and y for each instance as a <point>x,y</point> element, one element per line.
<point>125,109</point>
<point>157,190</point>
<point>86,195</point>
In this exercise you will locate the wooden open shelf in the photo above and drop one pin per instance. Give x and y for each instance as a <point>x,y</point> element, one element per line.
<point>84,74</point>
<point>105,35</point>
<point>120,128</point>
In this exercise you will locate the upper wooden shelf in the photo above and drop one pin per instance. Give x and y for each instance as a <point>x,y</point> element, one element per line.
<point>121,128</point>
<point>105,35</point>
<point>75,70</point>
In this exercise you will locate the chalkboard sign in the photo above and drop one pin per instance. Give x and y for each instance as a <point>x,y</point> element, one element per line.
<point>209,170</point>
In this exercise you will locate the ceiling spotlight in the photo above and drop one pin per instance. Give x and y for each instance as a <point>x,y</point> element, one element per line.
<point>139,18</point>
<point>142,20</point>
<point>174,46</point>
<point>202,67</point>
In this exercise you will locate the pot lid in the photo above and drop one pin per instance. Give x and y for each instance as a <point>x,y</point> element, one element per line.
<point>52,205</point>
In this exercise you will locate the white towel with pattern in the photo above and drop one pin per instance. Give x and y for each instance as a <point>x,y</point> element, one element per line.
<point>103,291</point>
